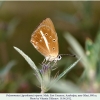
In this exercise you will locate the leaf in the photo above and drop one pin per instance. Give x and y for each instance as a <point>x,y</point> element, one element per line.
<point>7,68</point>
<point>67,70</point>
<point>90,53</point>
<point>77,48</point>
<point>63,73</point>
<point>12,26</point>
<point>64,86</point>
<point>30,62</point>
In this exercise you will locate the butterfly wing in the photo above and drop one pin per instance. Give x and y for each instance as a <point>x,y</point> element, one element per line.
<point>45,39</point>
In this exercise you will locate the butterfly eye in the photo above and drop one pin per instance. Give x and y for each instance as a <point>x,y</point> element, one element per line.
<point>59,57</point>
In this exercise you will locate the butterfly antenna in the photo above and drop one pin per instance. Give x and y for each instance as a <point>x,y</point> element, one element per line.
<point>68,55</point>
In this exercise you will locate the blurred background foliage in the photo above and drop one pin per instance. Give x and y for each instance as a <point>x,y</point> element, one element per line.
<point>78,29</point>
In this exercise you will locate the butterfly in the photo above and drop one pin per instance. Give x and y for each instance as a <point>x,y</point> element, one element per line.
<point>45,40</point>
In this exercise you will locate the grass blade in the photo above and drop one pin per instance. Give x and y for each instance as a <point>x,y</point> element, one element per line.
<point>30,62</point>
<point>63,73</point>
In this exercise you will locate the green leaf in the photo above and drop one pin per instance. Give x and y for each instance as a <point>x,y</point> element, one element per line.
<point>97,47</point>
<point>12,26</point>
<point>67,70</point>
<point>77,48</point>
<point>89,47</point>
<point>64,86</point>
<point>31,63</point>
<point>90,53</point>
<point>7,68</point>
<point>63,73</point>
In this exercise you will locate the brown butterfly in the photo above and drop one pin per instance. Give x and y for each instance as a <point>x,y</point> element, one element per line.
<point>45,40</point>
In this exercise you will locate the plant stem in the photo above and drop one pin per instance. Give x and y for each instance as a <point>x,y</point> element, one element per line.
<point>42,91</point>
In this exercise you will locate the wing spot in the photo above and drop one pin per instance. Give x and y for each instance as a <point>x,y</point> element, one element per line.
<point>41,37</point>
<point>54,40</point>
<point>40,40</point>
<point>46,34</point>
<point>32,41</point>
<point>50,37</point>
<point>36,47</point>
<point>53,48</point>
<point>36,42</point>
<point>32,35</point>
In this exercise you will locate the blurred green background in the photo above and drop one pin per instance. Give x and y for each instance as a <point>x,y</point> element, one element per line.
<point>73,20</point>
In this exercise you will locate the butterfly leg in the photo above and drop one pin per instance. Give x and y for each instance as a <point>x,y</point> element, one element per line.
<point>44,61</point>
<point>54,65</point>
